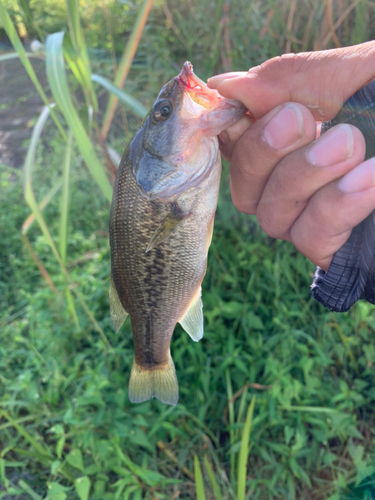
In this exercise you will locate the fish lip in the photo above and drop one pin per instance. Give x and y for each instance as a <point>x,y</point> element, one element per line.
<point>191,83</point>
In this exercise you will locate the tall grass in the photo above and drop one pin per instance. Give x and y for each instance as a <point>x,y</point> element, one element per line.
<point>277,400</point>
<point>75,52</point>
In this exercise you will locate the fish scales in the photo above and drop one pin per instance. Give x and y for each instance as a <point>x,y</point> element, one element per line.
<point>164,278</point>
<point>161,222</point>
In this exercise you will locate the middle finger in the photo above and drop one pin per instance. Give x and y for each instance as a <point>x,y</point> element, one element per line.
<point>262,146</point>
<point>303,172</point>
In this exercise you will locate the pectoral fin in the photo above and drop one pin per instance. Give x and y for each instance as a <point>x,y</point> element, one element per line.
<point>192,322</point>
<point>118,313</point>
<point>168,225</point>
<point>209,233</point>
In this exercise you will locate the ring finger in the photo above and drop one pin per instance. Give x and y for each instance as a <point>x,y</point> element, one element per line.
<point>303,172</point>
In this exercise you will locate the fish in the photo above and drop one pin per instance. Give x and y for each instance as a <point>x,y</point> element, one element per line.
<point>161,221</point>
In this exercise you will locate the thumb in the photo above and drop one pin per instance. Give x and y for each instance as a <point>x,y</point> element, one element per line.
<point>321,80</point>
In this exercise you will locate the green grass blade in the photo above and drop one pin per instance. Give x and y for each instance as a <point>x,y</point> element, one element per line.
<point>15,55</point>
<point>64,222</point>
<point>241,411</point>
<point>135,105</point>
<point>31,201</point>
<point>28,172</point>
<point>199,485</point>
<point>64,206</point>
<point>51,193</point>
<point>71,58</point>
<point>311,409</point>
<point>29,19</point>
<point>211,475</point>
<point>125,63</point>
<point>17,44</point>
<point>59,87</point>
<point>28,490</point>
<point>45,452</point>
<point>232,432</point>
<point>82,60</point>
<point>244,452</point>
<point>40,266</point>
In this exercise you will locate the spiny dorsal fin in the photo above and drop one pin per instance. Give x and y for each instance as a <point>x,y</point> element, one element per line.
<point>192,322</point>
<point>118,313</point>
<point>168,225</point>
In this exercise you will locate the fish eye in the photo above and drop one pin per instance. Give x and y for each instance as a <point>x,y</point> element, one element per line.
<point>162,110</point>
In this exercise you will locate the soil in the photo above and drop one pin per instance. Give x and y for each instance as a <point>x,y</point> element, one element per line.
<point>20,105</point>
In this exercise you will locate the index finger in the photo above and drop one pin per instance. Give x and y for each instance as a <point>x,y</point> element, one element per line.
<point>321,80</point>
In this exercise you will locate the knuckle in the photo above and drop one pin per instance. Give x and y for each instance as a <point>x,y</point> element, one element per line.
<point>244,206</point>
<point>267,223</point>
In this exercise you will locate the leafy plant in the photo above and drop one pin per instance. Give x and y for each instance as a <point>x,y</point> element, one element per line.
<point>67,429</point>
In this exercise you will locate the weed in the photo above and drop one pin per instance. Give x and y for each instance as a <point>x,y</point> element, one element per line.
<point>67,429</point>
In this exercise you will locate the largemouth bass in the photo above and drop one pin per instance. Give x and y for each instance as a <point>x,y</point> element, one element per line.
<point>161,223</point>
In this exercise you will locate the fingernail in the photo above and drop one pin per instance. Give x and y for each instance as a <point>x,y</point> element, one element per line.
<point>285,128</point>
<point>333,147</point>
<point>225,76</point>
<point>360,178</point>
<point>223,137</point>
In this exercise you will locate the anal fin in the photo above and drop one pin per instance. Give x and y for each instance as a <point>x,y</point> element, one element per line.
<point>192,321</point>
<point>168,225</point>
<point>118,313</point>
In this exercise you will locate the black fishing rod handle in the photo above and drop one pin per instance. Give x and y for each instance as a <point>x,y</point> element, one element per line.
<point>351,275</point>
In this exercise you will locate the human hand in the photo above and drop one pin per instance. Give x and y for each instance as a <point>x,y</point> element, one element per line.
<point>309,191</point>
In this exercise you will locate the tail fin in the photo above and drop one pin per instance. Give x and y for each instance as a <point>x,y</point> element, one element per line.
<point>157,382</point>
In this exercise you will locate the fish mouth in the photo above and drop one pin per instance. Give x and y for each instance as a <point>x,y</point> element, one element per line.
<point>197,88</point>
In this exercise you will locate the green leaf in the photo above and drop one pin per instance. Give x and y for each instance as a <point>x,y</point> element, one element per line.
<point>55,465</point>
<point>81,60</point>
<point>60,445</point>
<point>363,472</point>
<point>356,452</point>
<point>199,486</point>
<point>43,452</point>
<point>83,485</point>
<point>127,99</point>
<point>48,197</point>
<point>56,492</point>
<point>3,478</point>
<point>74,458</point>
<point>125,63</point>
<point>244,452</point>
<point>31,201</point>
<point>64,205</point>
<point>28,490</point>
<point>212,478</point>
<point>14,55</point>
<point>59,87</point>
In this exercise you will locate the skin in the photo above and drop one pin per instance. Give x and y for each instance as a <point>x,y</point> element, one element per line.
<point>307,190</point>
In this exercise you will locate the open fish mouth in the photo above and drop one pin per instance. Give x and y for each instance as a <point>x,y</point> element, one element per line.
<point>197,88</point>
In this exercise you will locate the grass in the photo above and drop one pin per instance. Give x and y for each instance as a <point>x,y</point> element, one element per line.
<point>277,400</point>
